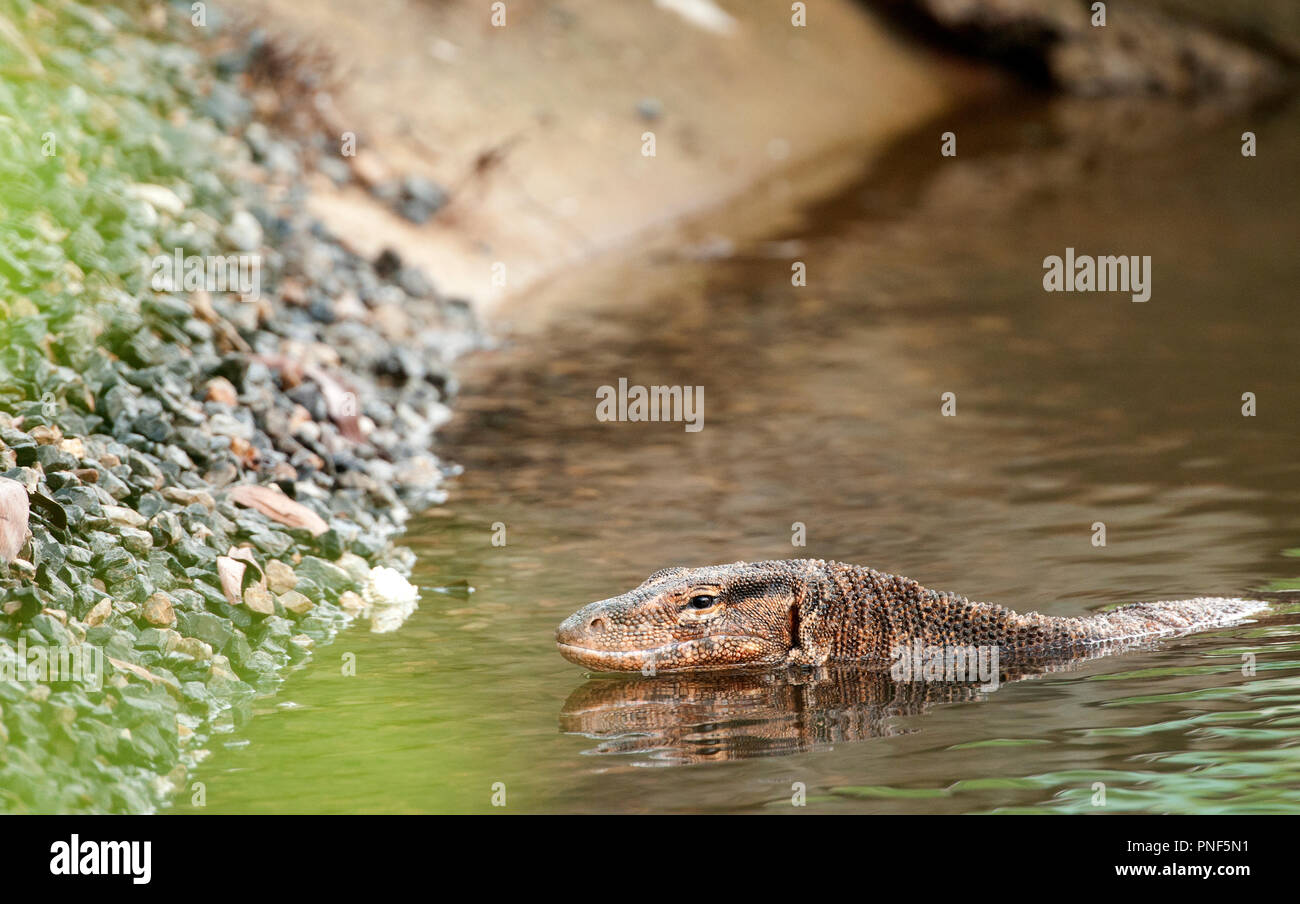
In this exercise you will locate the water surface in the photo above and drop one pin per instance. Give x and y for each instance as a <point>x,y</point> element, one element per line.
<point>822,406</point>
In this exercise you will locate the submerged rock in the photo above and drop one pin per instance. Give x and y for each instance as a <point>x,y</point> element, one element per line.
<point>390,599</point>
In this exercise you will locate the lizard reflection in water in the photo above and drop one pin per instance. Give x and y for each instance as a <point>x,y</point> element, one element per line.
<point>677,719</point>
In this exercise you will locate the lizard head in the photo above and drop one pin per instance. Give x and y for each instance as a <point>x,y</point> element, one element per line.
<point>680,619</point>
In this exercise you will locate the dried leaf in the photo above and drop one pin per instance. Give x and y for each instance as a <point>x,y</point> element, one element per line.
<point>51,511</point>
<point>253,573</point>
<point>278,507</point>
<point>238,569</point>
<point>244,554</point>
<point>14,515</point>
<point>340,403</point>
<point>231,573</point>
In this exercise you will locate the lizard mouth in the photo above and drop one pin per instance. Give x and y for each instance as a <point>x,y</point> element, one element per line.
<point>718,652</point>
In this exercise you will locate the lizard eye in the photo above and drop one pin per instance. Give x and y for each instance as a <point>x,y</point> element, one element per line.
<point>703,602</point>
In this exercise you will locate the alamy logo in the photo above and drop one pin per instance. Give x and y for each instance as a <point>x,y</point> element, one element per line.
<point>238,273</point>
<point>946,662</point>
<point>1107,273</point>
<point>82,663</point>
<point>653,403</point>
<point>103,858</point>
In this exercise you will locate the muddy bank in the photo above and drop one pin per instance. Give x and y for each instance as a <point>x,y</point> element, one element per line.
<point>499,152</point>
<point>563,131</point>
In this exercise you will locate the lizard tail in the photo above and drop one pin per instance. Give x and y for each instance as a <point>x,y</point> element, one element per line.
<point>1033,633</point>
<point>1168,617</point>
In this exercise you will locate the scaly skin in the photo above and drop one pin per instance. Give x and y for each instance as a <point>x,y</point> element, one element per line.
<point>804,612</point>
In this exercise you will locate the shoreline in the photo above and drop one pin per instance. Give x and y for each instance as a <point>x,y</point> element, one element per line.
<point>205,487</point>
<point>198,487</point>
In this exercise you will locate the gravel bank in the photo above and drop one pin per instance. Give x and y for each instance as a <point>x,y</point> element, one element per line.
<point>212,479</point>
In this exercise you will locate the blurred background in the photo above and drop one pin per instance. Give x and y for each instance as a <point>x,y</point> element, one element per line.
<point>828,216</point>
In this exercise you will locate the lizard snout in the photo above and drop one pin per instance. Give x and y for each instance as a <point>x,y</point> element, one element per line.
<point>581,629</point>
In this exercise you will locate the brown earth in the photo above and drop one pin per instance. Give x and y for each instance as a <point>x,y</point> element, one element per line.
<point>537,128</point>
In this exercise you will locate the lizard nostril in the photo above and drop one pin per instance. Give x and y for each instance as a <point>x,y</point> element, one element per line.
<point>598,625</point>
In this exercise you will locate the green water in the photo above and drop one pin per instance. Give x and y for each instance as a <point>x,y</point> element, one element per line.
<point>822,406</point>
